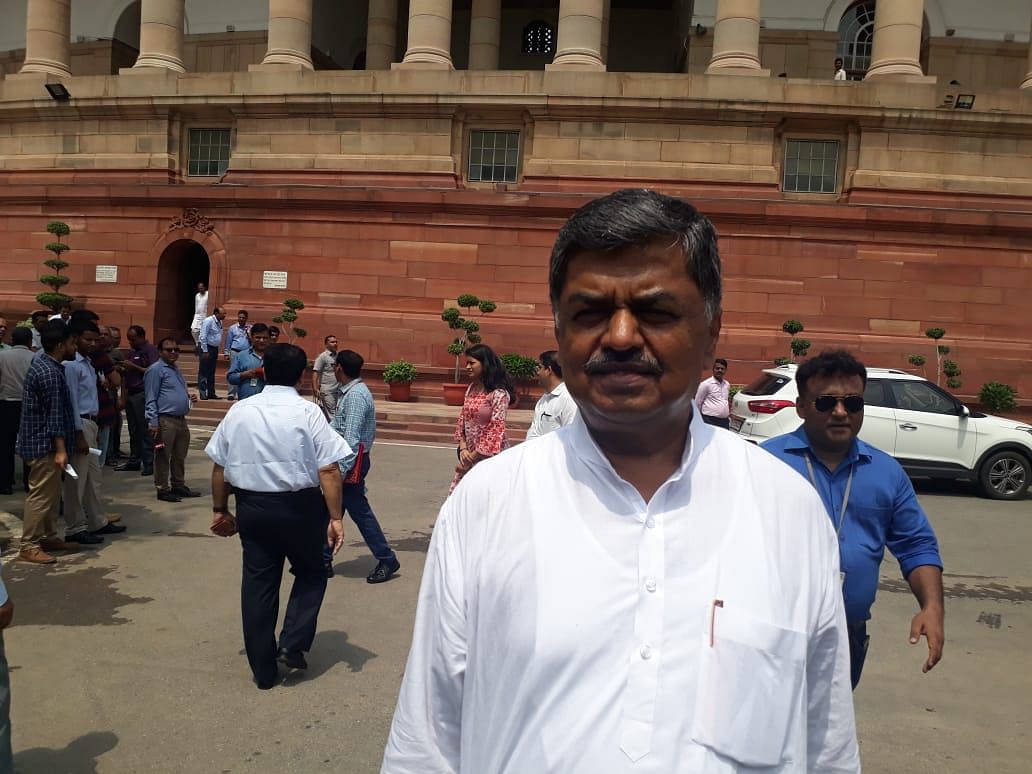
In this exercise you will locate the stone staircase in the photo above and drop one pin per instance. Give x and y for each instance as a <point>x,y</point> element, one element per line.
<point>426,420</point>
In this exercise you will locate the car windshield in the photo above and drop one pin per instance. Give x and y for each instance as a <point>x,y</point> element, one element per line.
<point>767,384</point>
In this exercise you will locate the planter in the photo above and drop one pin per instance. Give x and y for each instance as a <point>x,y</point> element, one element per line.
<point>454,394</point>
<point>399,391</point>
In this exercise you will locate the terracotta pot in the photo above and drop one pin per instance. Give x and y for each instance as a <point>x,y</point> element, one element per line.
<point>400,391</point>
<point>454,394</point>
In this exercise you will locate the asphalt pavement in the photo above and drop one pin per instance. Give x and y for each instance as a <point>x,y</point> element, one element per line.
<point>128,658</point>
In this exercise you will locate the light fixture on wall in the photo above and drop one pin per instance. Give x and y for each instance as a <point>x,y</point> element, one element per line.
<point>58,92</point>
<point>700,31</point>
<point>964,102</point>
<point>950,32</point>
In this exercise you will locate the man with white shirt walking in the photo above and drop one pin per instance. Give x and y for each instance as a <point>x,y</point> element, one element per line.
<point>555,408</point>
<point>647,594</point>
<point>200,312</point>
<point>276,450</point>
<point>712,397</point>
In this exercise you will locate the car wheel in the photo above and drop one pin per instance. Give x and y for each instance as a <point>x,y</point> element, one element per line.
<point>1005,476</point>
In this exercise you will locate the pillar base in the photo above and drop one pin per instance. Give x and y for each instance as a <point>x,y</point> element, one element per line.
<point>747,71</point>
<point>287,57</point>
<point>895,68</point>
<point>577,60</point>
<point>1027,83</point>
<point>267,67</point>
<point>46,67</point>
<point>160,61</point>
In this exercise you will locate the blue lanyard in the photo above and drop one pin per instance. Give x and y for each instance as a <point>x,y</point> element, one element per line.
<point>845,496</point>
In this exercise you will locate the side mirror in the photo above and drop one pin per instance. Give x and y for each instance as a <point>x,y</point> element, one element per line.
<point>964,411</point>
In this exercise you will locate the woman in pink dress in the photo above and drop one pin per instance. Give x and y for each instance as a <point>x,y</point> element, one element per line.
<point>481,429</point>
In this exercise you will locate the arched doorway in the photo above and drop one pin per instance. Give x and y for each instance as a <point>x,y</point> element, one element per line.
<point>125,38</point>
<point>856,39</point>
<point>181,266</point>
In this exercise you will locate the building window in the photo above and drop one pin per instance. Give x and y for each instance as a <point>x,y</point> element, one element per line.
<point>209,152</point>
<point>811,166</point>
<point>856,37</point>
<point>493,156</point>
<point>538,38</point>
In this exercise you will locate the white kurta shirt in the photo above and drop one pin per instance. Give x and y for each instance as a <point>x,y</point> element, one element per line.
<point>200,309</point>
<point>554,409</point>
<point>275,441</point>
<point>564,625</point>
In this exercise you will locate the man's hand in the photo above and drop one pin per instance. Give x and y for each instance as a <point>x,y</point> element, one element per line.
<point>121,404</point>
<point>929,622</point>
<point>154,432</point>
<point>335,534</point>
<point>60,460</point>
<point>223,524</point>
<point>81,447</point>
<point>6,614</point>
<point>192,395</point>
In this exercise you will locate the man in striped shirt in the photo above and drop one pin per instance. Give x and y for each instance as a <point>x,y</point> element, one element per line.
<point>355,421</point>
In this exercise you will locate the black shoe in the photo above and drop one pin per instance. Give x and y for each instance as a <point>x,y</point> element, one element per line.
<point>214,397</point>
<point>383,572</point>
<point>185,491</point>
<point>110,529</point>
<point>329,570</point>
<point>147,471</point>
<point>130,465</point>
<point>264,685</point>
<point>84,538</point>
<point>168,497</point>
<point>292,659</point>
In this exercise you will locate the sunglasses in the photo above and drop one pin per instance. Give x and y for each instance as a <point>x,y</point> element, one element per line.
<point>826,403</point>
<point>177,350</point>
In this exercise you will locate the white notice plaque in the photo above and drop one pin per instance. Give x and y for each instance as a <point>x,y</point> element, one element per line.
<point>107,274</point>
<point>274,279</point>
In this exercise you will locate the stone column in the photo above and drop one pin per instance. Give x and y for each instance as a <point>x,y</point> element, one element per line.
<point>381,34</point>
<point>604,49</point>
<point>1027,83</point>
<point>579,42</point>
<point>485,28</point>
<point>290,33</point>
<point>736,39</point>
<point>429,35</point>
<point>161,34</point>
<point>896,49</point>
<point>48,28</point>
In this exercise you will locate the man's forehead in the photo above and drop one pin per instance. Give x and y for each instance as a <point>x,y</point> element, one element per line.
<point>823,382</point>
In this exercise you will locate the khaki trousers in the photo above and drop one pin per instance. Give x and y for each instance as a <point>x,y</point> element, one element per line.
<point>83,509</point>
<point>175,434</point>
<point>41,503</point>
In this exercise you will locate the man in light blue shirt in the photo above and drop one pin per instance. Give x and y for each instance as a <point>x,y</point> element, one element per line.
<point>246,374</point>
<point>167,404</point>
<point>84,515</point>
<point>869,499</point>
<point>237,341</point>
<point>210,341</point>
<point>6,614</point>
<point>355,421</point>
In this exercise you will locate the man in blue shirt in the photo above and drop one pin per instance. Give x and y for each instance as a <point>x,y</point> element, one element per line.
<point>355,421</point>
<point>168,403</point>
<point>869,499</point>
<point>46,438</point>
<point>247,375</point>
<point>210,342</point>
<point>237,341</point>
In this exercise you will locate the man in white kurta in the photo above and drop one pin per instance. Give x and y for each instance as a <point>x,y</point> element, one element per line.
<point>570,624</point>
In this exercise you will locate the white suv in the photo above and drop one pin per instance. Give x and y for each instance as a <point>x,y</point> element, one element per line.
<point>928,430</point>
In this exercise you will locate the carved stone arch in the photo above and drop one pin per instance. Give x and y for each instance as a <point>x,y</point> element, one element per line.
<point>183,233</point>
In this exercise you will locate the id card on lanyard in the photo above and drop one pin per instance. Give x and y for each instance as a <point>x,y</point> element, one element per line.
<point>845,500</point>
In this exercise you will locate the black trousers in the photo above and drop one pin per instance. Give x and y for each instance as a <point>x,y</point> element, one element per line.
<point>206,373</point>
<point>10,419</point>
<point>858,644</point>
<point>140,441</point>
<point>274,526</point>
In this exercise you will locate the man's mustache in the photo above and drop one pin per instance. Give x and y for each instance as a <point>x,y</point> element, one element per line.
<point>608,362</point>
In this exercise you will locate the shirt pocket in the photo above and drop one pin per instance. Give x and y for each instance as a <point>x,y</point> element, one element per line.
<point>750,685</point>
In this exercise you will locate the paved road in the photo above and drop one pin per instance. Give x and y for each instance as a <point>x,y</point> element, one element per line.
<point>128,659</point>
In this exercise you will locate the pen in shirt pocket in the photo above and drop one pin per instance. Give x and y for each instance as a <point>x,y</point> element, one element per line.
<point>713,620</point>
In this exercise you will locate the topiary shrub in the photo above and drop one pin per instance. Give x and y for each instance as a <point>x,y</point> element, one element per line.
<point>399,371</point>
<point>55,298</point>
<point>470,328</point>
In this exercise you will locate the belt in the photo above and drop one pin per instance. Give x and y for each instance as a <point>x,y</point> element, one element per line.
<point>173,416</point>
<point>91,417</point>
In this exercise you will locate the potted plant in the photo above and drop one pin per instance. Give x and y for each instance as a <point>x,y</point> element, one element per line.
<point>455,393</point>
<point>399,375</point>
<point>522,370</point>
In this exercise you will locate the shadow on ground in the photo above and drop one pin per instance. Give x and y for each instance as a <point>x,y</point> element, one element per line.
<point>78,757</point>
<point>331,648</point>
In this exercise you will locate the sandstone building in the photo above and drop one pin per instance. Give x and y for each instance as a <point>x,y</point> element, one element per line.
<point>375,158</point>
